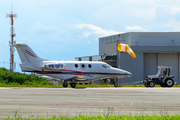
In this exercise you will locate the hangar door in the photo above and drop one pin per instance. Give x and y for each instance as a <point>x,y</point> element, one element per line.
<point>150,64</point>
<point>170,59</point>
<point>152,60</point>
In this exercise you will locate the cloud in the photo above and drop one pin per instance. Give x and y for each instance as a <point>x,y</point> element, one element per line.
<point>175,10</point>
<point>92,29</point>
<point>147,9</point>
<point>67,32</point>
<point>145,13</point>
<point>153,3</point>
<point>134,1</point>
<point>173,25</point>
<point>38,30</point>
<point>40,27</point>
<point>135,28</point>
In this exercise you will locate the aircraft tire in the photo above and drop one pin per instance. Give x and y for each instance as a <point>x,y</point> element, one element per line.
<point>115,85</point>
<point>169,82</point>
<point>65,84</point>
<point>73,85</point>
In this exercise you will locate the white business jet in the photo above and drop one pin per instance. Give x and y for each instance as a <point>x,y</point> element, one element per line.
<point>71,72</point>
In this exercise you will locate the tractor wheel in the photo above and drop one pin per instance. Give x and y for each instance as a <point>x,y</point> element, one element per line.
<point>151,84</point>
<point>146,84</point>
<point>169,82</point>
<point>163,85</point>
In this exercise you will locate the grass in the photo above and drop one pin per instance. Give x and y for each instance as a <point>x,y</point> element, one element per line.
<point>38,85</point>
<point>100,117</point>
<point>77,86</point>
<point>110,115</point>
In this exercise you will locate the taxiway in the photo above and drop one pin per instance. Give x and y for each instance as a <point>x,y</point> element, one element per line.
<point>47,102</point>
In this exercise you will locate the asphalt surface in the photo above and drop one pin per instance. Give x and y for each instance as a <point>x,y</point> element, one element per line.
<point>47,102</point>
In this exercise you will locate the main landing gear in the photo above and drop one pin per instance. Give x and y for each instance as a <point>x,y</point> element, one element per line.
<point>65,85</point>
<point>73,85</point>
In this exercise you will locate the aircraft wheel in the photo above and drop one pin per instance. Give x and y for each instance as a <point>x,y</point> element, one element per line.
<point>65,84</point>
<point>73,85</point>
<point>115,85</point>
<point>169,82</point>
<point>151,84</point>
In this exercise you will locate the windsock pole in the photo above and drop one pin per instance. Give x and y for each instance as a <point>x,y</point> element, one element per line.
<point>118,79</point>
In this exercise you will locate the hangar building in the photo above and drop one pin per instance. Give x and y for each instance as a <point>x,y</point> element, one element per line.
<point>152,49</point>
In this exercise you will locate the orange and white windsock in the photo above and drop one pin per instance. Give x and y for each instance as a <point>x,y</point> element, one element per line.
<point>126,48</point>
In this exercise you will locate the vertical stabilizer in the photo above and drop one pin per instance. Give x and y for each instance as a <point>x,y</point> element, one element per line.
<point>26,54</point>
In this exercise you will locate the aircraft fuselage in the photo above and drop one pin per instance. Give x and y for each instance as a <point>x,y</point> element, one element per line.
<point>64,70</point>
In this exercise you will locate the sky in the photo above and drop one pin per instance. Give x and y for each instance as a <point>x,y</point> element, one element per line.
<point>65,29</point>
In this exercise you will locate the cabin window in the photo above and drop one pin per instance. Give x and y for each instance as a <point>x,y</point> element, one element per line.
<point>89,66</point>
<point>106,66</point>
<point>83,66</point>
<point>76,65</point>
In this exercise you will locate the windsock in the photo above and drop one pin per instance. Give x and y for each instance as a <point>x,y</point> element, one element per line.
<point>126,48</point>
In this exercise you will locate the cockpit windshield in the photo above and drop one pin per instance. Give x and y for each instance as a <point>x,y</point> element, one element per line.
<point>106,66</point>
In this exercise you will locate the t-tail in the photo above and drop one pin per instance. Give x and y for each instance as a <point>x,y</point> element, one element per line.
<point>26,54</point>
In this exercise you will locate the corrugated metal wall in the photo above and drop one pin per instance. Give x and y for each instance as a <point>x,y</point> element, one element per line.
<point>146,64</point>
<point>150,64</point>
<point>135,66</point>
<point>170,59</point>
<point>152,60</point>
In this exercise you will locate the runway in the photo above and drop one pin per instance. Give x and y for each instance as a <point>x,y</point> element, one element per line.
<point>47,102</point>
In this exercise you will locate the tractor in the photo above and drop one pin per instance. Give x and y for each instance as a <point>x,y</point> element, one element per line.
<point>162,78</point>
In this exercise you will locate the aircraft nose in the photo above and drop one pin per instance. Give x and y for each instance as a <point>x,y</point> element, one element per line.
<point>123,73</point>
<point>127,74</point>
